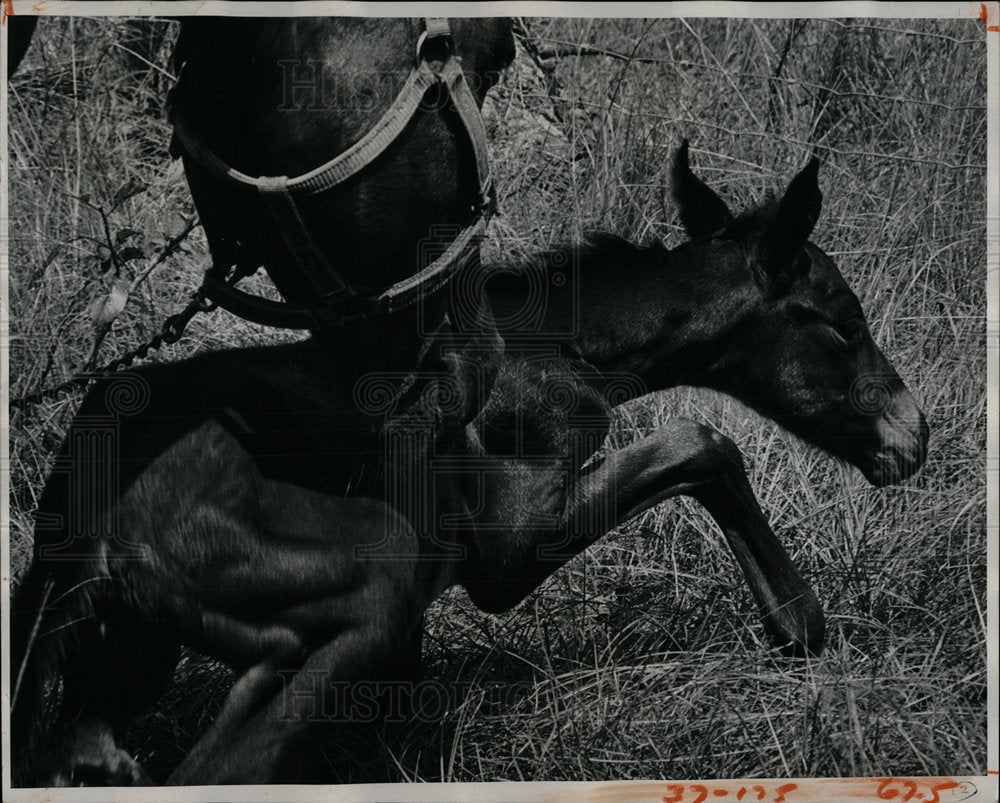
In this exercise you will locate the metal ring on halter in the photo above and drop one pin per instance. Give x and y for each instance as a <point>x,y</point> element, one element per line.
<point>422,40</point>
<point>206,304</point>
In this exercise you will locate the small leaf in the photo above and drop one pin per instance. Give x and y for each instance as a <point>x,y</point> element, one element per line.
<point>131,253</point>
<point>85,198</point>
<point>127,190</point>
<point>105,265</point>
<point>122,235</point>
<point>104,310</point>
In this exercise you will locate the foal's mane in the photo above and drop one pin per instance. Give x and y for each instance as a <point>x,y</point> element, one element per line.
<point>596,249</point>
<point>600,248</point>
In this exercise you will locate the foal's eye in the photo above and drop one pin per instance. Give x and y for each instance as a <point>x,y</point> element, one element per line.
<point>848,333</point>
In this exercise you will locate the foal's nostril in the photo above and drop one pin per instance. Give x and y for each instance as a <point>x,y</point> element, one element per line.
<point>903,435</point>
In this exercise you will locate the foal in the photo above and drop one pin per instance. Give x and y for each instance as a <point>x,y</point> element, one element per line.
<point>221,517</point>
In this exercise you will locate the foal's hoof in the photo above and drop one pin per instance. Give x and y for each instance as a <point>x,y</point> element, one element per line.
<point>798,649</point>
<point>119,771</point>
<point>93,759</point>
<point>799,637</point>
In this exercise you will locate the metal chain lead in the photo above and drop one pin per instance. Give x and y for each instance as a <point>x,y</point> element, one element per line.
<point>171,331</point>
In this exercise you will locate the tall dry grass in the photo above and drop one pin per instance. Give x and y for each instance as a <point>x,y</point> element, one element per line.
<point>643,658</point>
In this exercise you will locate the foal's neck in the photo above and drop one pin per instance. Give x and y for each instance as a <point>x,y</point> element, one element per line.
<point>664,316</point>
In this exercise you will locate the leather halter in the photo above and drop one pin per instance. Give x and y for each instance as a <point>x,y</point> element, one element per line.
<point>339,302</point>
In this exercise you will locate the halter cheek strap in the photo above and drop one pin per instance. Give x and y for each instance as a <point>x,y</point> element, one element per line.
<point>339,302</point>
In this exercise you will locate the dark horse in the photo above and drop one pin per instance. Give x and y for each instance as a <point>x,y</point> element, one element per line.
<point>226,526</point>
<point>281,97</point>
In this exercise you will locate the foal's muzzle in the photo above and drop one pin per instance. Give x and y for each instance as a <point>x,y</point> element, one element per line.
<point>903,435</point>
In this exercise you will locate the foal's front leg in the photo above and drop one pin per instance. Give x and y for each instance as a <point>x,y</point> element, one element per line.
<point>681,458</point>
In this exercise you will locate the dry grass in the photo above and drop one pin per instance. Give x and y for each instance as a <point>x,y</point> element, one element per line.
<point>643,658</point>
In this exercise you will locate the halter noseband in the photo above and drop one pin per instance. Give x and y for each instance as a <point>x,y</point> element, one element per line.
<point>339,301</point>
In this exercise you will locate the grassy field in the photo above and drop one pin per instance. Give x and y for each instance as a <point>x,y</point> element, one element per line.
<point>643,658</point>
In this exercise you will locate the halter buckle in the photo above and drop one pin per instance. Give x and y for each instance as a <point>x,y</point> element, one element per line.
<point>435,28</point>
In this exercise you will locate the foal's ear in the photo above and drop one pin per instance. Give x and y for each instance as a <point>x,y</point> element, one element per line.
<point>703,213</point>
<point>785,238</point>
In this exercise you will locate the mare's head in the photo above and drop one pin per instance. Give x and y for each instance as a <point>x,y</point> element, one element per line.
<point>799,350</point>
<point>282,96</point>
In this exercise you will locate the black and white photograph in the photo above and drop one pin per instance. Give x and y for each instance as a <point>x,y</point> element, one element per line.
<point>561,393</point>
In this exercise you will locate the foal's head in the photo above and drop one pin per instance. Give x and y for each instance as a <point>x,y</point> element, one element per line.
<point>801,352</point>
